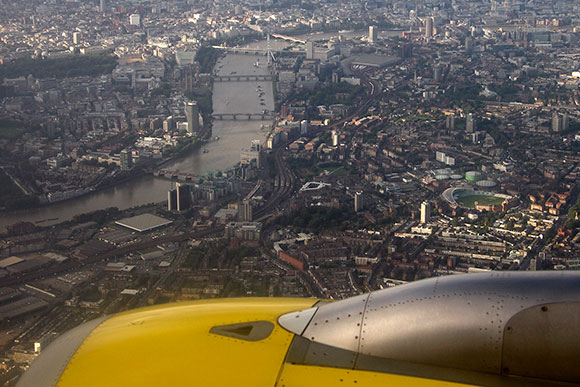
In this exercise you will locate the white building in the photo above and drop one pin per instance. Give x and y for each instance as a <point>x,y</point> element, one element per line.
<point>135,19</point>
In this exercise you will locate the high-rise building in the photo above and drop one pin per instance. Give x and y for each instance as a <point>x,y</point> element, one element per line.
<point>468,44</point>
<point>303,127</point>
<point>103,6</point>
<point>172,200</point>
<point>76,37</point>
<point>450,121</point>
<point>560,122</point>
<point>358,202</point>
<point>192,114</point>
<point>565,122</point>
<point>406,50</point>
<point>334,135</point>
<point>372,34</point>
<point>187,79</point>
<point>183,196</point>
<point>168,124</point>
<point>425,212</point>
<point>470,124</point>
<point>126,160</point>
<point>436,73</point>
<point>255,153</point>
<point>245,211</point>
<point>556,122</point>
<point>429,27</point>
<point>310,49</point>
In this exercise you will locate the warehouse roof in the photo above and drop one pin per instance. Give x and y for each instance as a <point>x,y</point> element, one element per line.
<point>144,222</point>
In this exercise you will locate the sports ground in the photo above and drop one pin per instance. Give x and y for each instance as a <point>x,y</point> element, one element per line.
<point>467,198</point>
<point>469,201</point>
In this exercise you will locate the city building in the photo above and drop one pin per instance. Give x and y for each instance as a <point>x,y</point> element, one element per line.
<point>143,222</point>
<point>103,6</point>
<point>303,127</point>
<point>249,231</point>
<point>310,49</point>
<point>406,50</point>
<point>245,211</point>
<point>429,27</point>
<point>126,160</point>
<point>425,212</point>
<point>184,198</point>
<point>254,153</point>
<point>470,124</point>
<point>372,34</point>
<point>468,44</point>
<point>450,121</point>
<point>444,158</point>
<point>358,202</point>
<point>168,124</point>
<point>192,114</point>
<point>559,122</point>
<point>172,200</point>
<point>135,19</point>
<point>334,135</point>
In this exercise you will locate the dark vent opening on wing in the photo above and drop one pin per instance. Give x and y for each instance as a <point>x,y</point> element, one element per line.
<point>248,331</point>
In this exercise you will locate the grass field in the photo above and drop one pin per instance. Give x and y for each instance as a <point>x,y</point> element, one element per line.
<point>470,200</point>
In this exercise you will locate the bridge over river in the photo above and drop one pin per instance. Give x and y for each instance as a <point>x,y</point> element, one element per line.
<point>241,78</point>
<point>244,116</point>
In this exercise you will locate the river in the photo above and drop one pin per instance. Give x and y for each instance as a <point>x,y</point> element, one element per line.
<point>279,44</point>
<point>228,97</point>
<point>234,136</point>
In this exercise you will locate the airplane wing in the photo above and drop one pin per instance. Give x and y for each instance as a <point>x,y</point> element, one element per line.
<point>493,329</point>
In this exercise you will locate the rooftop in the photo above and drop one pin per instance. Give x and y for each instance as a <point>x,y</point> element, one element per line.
<point>10,261</point>
<point>144,222</point>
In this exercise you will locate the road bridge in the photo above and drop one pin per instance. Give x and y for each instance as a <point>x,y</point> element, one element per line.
<point>242,78</point>
<point>246,51</point>
<point>244,116</point>
<point>174,175</point>
<point>289,38</point>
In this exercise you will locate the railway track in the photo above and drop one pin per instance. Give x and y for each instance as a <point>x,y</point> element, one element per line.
<point>284,184</point>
